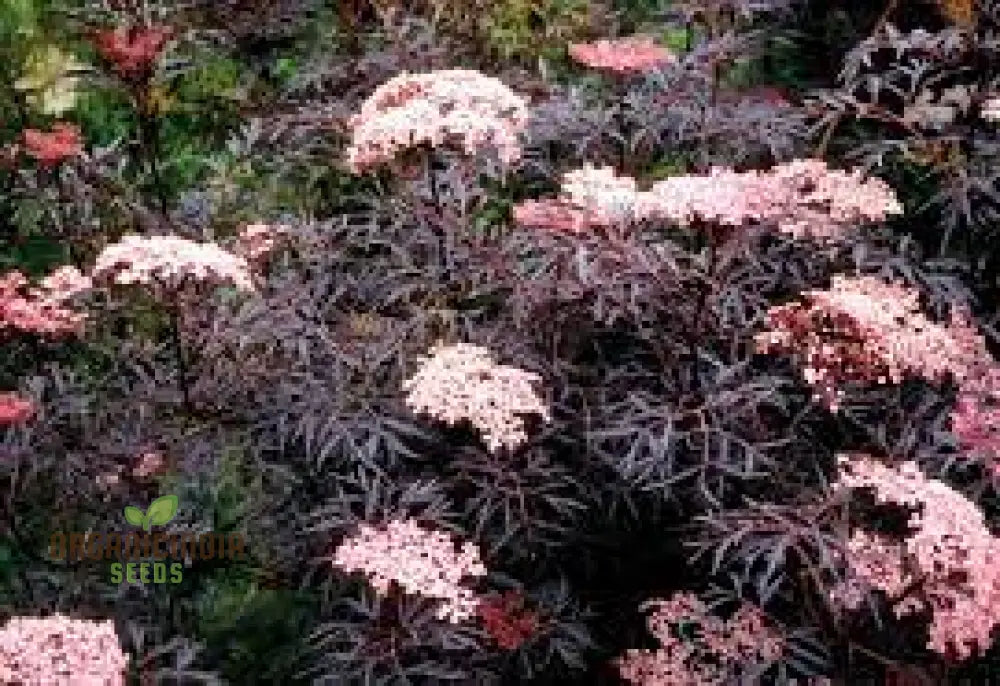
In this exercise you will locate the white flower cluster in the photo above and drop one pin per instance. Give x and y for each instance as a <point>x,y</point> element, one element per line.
<point>462,383</point>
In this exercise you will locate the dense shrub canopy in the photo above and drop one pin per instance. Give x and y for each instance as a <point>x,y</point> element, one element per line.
<point>527,341</point>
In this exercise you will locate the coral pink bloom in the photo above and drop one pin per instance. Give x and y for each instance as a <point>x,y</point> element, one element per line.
<point>866,330</point>
<point>53,147</point>
<point>14,409</point>
<point>633,55</point>
<point>556,215</point>
<point>42,310</point>
<point>133,51</point>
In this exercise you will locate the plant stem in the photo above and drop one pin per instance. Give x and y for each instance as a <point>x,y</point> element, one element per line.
<point>149,131</point>
<point>182,375</point>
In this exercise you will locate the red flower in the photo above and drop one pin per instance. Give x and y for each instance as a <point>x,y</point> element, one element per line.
<point>59,144</point>
<point>133,51</point>
<point>14,409</point>
<point>507,621</point>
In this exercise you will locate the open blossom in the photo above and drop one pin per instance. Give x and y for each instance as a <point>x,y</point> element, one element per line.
<point>170,262</point>
<point>420,561</point>
<point>953,561</point>
<point>60,651</point>
<point>632,55</point>
<point>451,107</point>
<point>865,330</point>
<point>712,655</point>
<point>14,409</point>
<point>461,382</point>
<point>51,148</point>
<point>133,51</point>
<point>42,310</point>
<point>803,198</point>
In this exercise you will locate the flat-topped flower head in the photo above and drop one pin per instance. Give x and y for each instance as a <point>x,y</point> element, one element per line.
<point>170,263</point>
<point>623,56</point>
<point>461,383</point>
<point>133,51</point>
<point>866,330</point>
<point>53,147</point>
<point>803,198</point>
<point>698,648</point>
<point>950,549</point>
<point>59,651</point>
<point>455,107</point>
<point>420,561</point>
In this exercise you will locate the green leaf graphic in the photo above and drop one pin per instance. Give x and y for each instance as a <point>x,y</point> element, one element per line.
<point>134,516</point>
<point>161,510</point>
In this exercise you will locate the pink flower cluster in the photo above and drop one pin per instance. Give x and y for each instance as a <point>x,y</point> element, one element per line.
<point>455,107</point>
<point>864,329</point>
<point>873,561</point>
<point>461,382</point>
<point>170,262</point>
<point>59,651</point>
<point>712,655</point>
<point>803,198</point>
<point>42,310</point>
<point>952,562</point>
<point>420,561</point>
<point>632,55</point>
<point>14,409</point>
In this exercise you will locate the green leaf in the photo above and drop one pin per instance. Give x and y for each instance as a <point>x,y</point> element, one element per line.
<point>134,516</point>
<point>162,510</point>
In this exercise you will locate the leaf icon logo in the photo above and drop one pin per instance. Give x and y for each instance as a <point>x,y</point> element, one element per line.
<point>160,511</point>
